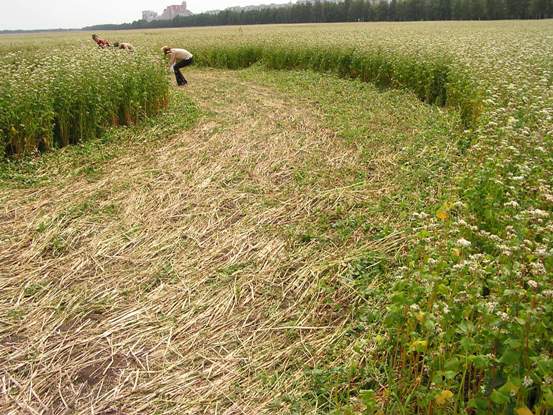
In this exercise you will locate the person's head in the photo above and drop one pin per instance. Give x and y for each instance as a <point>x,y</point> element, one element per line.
<point>116,44</point>
<point>95,36</point>
<point>166,50</point>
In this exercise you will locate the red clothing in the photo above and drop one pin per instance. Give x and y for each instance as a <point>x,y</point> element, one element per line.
<point>102,43</point>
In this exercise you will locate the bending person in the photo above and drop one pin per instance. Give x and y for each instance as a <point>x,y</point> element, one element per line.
<point>124,46</point>
<point>178,58</point>
<point>102,43</point>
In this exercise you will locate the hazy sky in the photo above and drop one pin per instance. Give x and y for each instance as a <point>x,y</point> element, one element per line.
<point>51,14</point>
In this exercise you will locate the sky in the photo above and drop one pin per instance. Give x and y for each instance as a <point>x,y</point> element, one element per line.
<point>54,14</point>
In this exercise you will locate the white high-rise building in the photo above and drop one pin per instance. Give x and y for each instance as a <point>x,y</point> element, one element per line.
<point>149,15</point>
<point>169,13</point>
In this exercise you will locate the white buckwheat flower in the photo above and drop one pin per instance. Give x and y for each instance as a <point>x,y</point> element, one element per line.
<point>464,243</point>
<point>538,213</point>
<point>504,316</point>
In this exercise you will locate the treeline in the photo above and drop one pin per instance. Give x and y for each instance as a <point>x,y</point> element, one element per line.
<point>20,31</point>
<point>361,11</point>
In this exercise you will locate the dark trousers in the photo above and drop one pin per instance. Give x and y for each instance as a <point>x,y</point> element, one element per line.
<point>181,80</point>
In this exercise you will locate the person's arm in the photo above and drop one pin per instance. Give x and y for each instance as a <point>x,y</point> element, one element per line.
<point>172,59</point>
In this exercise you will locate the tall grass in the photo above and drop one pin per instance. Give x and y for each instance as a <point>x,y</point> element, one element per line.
<point>433,79</point>
<point>63,97</point>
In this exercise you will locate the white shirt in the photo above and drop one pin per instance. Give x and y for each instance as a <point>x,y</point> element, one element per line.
<point>180,54</point>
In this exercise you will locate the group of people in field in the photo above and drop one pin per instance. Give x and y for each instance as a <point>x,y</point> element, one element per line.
<point>178,58</point>
<point>104,44</point>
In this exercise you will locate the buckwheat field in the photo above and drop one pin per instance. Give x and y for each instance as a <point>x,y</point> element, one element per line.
<point>337,218</point>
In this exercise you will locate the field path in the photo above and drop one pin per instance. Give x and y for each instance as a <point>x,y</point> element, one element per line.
<point>177,281</point>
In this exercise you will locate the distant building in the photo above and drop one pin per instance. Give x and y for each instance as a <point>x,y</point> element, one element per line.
<point>250,8</point>
<point>322,1</point>
<point>169,13</point>
<point>270,6</point>
<point>173,11</point>
<point>149,15</point>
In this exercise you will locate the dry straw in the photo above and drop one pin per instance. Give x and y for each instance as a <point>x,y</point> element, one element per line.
<point>174,283</point>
